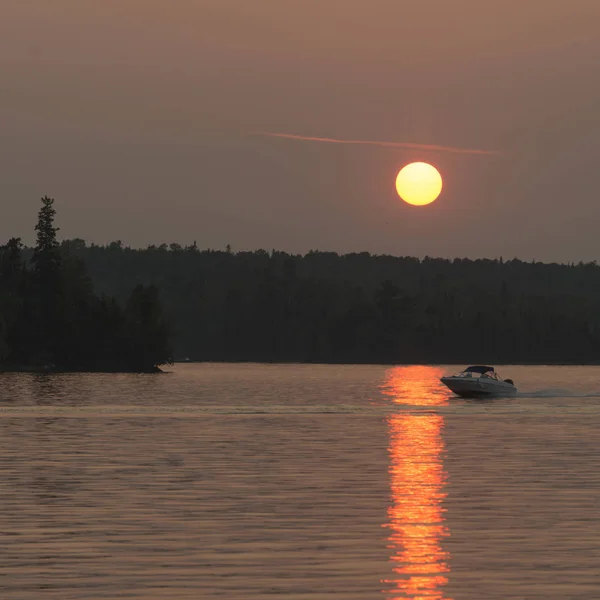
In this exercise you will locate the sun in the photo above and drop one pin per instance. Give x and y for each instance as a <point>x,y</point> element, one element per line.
<point>419,183</point>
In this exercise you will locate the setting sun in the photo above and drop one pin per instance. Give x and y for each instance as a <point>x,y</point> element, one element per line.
<point>419,183</point>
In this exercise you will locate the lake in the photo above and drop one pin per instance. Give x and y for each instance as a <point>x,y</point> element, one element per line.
<point>299,482</point>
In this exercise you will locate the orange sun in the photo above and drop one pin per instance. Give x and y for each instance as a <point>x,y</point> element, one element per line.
<point>419,183</point>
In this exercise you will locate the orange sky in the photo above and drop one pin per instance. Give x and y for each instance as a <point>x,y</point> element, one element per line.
<point>134,114</point>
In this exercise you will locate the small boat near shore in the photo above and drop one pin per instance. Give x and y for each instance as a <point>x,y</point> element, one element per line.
<point>479,381</point>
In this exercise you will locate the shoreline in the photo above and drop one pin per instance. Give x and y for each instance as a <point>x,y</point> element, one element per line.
<point>51,370</point>
<point>388,364</point>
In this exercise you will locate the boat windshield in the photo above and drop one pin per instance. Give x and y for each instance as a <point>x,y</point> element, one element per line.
<point>477,374</point>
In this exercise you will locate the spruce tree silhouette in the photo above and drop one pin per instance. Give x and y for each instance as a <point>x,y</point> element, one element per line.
<point>48,301</point>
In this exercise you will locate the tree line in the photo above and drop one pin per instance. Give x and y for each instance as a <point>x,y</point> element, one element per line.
<point>51,319</point>
<point>358,308</point>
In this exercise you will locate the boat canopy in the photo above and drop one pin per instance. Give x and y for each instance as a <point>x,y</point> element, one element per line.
<point>479,369</point>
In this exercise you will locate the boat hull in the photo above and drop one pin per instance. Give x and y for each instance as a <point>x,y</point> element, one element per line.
<point>475,388</point>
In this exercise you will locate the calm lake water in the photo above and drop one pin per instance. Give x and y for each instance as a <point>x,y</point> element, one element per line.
<point>320,482</point>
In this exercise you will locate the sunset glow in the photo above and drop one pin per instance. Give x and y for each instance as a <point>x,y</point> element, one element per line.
<point>417,480</point>
<point>419,183</point>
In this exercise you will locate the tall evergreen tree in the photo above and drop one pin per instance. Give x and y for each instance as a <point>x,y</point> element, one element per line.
<point>48,301</point>
<point>46,258</point>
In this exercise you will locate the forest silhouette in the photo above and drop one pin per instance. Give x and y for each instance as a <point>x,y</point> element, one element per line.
<point>359,308</point>
<point>277,307</point>
<point>51,320</point>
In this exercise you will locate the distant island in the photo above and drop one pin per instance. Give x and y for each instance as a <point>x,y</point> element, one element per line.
<point>51,320</point>
<point>271,306</point>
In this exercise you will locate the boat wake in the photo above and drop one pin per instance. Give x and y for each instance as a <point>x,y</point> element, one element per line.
<point>557,393</point>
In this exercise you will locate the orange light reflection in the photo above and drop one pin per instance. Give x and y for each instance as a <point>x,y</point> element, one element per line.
<point>417,475</point>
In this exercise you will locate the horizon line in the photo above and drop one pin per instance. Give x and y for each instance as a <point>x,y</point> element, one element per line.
<point>164,247</point>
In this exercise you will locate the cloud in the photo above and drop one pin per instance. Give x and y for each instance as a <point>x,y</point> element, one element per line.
<point>409,145</point>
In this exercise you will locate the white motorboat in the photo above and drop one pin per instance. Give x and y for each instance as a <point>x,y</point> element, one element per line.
<point>479,381</point>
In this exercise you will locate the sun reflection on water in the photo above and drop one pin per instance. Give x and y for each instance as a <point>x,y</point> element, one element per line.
<point>417,479</point>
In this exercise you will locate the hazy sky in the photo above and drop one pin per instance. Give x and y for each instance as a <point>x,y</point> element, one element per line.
<point>136,116</point>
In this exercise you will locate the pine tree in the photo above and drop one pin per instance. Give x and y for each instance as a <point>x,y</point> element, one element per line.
<point>46,258</point>
<point>48,301</point>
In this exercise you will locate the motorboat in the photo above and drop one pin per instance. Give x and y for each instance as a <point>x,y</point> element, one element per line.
<point>479,381</point>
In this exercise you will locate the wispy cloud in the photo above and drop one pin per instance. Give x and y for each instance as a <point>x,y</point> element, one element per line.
<point>408,145</point>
